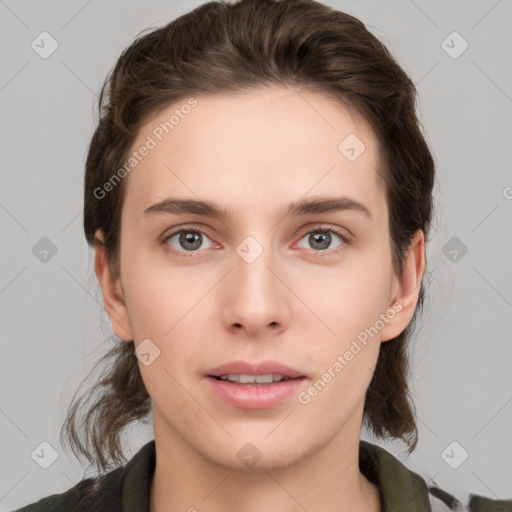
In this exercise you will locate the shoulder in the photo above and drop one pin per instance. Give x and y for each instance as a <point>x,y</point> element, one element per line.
<point>481,504</point>
<point>402,488</point>
<point>102,493</point>
<point>124,487</point>
<point>442,501</point>
<point>69,500</point>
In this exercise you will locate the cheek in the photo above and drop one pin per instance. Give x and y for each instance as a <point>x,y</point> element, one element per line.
<point>344,355</point>
<point>340,388</point>
<point>159,294</point>
<point>347,341</point>
<point>167,307</point>
<point>347,301</point>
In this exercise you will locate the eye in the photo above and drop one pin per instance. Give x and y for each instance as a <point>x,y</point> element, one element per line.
<point>320,239</point>
<point>187,240</point>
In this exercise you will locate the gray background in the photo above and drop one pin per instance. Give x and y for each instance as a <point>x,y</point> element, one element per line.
<point>53,326</point>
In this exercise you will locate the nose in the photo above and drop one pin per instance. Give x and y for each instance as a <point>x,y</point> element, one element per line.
<point>255,299</point>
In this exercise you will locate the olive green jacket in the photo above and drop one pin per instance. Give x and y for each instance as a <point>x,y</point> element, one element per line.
<point>126,489</point>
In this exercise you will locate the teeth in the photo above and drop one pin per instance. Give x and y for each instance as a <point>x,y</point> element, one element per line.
<point>254,379</point>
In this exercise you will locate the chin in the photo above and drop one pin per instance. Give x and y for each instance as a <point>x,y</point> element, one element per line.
<point>267,462</point>
<point>253,454</point>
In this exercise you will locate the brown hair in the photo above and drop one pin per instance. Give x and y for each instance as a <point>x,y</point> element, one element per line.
<point>225,47</point>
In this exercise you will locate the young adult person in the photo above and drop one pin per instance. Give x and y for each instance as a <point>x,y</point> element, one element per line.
<point>258,192</point>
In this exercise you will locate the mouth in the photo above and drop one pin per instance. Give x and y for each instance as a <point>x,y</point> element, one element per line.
<point>254,385</point>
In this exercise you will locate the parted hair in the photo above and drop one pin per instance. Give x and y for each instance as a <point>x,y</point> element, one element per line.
<point>222,48</point>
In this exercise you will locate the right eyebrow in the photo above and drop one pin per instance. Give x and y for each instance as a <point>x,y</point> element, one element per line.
<point>192,206</point>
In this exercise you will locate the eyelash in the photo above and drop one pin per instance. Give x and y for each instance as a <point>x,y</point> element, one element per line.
<point>319,229</point>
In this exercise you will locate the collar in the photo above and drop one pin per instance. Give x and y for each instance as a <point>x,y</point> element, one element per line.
<point>399,487</point>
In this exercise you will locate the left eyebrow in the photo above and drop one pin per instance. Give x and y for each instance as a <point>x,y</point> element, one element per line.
<point>295,209</point>
<point>324,205</point>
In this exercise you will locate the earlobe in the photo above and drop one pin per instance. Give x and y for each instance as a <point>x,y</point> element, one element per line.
<point>408,283</point>
<point>111,290</point>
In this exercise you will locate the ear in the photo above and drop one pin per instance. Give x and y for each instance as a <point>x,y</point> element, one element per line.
<point>112,292</point>
<point>406,289</point>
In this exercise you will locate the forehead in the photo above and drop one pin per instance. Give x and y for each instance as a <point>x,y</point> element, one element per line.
<point>255,147</point>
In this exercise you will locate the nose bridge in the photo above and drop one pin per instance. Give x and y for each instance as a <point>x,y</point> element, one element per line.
<point>252,262</point>
<point>256,297</point>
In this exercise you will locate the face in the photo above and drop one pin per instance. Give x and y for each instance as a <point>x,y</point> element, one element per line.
<point>256,275</point>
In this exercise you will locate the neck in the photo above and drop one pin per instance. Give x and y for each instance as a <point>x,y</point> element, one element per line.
<point>327,480</point>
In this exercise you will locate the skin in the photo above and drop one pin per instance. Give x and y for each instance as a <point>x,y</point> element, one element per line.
<point>255,153</point>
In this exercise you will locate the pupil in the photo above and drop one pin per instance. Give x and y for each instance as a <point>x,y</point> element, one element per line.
<point>323,237</point>
<point>189,237</point>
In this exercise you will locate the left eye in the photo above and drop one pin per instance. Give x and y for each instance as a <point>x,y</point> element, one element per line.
<point>321,239</point>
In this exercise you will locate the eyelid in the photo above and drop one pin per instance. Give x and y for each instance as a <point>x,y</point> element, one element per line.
<point>344,233</point>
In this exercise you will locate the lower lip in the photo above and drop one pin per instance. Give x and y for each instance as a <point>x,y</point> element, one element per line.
<point>250,396</point>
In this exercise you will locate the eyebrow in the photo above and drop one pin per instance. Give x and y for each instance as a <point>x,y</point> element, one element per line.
<point>295,209</point>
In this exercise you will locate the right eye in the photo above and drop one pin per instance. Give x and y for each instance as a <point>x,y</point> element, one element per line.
<point>186,240</point>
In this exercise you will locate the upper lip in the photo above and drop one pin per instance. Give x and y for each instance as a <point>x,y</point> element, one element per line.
<point>258,368</point>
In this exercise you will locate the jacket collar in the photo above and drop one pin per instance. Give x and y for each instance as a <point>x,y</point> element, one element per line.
<point>399,487</point>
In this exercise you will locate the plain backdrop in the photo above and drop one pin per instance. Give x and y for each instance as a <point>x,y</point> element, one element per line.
<point>53,327</point>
